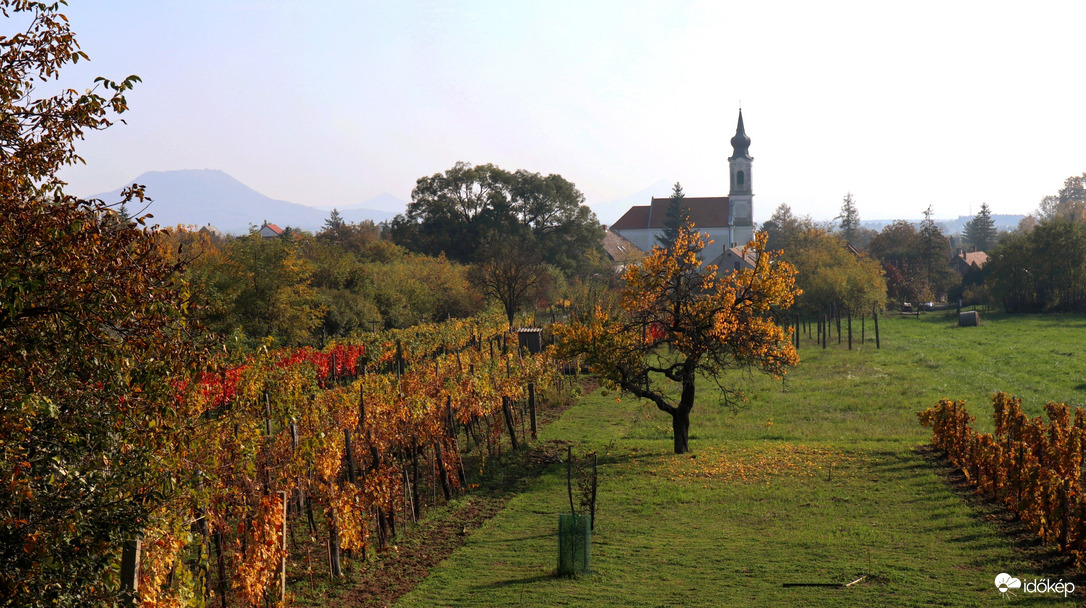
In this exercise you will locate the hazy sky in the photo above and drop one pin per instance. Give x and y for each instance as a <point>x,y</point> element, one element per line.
<point>904,104</point>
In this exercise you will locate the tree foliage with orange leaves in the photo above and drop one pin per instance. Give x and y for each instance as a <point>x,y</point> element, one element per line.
<point>679,319</point>
<point>92,329</point>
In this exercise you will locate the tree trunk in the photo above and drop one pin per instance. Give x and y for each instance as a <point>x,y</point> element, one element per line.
<point>680,424</point>
<point>680,417</point>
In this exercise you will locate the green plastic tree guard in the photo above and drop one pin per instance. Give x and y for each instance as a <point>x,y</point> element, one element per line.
<point>574,543</point>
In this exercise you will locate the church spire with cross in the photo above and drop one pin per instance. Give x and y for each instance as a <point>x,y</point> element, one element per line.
<point>741,193</point>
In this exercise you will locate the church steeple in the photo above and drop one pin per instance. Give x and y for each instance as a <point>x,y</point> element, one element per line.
<point>740,141</point>
<point>741,194</point>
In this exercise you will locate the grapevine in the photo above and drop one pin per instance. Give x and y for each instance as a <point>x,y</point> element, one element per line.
<point>333,435</point>
<point>1033,467</point>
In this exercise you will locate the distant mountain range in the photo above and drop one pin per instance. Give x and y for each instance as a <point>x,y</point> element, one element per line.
<point>199,197</point>
<point>954,226</point>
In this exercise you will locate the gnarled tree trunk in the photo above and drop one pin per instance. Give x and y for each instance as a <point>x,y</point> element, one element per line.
<point>680,417</point>
<point>680,425</point>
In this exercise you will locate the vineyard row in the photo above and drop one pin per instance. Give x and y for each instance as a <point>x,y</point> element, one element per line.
<point>1032,466</point>
<point>337,440</point>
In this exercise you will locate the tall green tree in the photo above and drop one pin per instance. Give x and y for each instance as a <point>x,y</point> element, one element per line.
<point>455,212</point>
<point>782,226</point>
<point>849,221</point>
<point>980,231</point>
<point>935,255</point>
<point>1043,270</point>
<point>334,221</point>
<point>677,215</point>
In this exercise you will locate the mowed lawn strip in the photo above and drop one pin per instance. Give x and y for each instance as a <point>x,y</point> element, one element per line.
<point>813,480</point>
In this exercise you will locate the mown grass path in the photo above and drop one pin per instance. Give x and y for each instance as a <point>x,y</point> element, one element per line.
<point>819,478</point>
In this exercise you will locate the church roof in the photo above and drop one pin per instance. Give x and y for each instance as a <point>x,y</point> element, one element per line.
<point>705,212</point>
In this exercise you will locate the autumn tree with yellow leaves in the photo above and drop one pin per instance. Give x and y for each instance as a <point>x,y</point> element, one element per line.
<point>680,320</point>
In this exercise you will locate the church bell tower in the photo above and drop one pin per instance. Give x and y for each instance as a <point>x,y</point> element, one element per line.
<point>740,194</point>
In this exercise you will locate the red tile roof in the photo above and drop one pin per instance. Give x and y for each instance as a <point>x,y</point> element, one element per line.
<point>705,211</point>
<point>274,228</point>
<point>977,258</point>
<point>636,217</point>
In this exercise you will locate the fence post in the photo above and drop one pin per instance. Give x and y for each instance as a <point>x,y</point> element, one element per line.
<point>875,316</point>
<point>130,566</point>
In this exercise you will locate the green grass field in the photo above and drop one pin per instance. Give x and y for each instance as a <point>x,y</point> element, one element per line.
<point>817,478</point>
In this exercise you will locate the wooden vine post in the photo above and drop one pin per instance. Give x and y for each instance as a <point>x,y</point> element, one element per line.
<point>130,566</point>
<point>531,406</point>
<point>508,411</point>
<point>283,547</point>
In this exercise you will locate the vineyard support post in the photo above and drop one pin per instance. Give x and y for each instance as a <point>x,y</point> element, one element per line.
<point>218,537</point>
<point>349,455</point>
<point>569,478</point>
<point>408,503</point>
<point>335,570</point>
<point>508,411</point>
<point>416,499</point>
<point>875,316</point>
<point>849,313</point>
<point>595,479</point>
<point>283,548</point>
<point>837,317</point>
<point>130,566</point>
<point>531,406</point>
<point>205,553</point>
<point>446,488</point>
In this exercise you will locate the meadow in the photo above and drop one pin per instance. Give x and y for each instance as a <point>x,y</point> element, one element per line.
<point>822,477</point>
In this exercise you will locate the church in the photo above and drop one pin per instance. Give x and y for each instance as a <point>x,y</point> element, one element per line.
<point>728,220</point>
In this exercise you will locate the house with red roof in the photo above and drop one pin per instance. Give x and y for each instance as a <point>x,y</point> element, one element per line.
<point>728,220</point>
<point>270,231</point>
<point>969,259</point>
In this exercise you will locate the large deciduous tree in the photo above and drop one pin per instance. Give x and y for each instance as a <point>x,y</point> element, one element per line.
<point>1043,270</point>
<point>511,273</point>
<point>832,275</point>
<point>916,262</point>
<point>92,335</point>
<point>458,211</point>
<point>1068,204</point>
<point>680,322</point>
